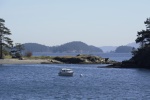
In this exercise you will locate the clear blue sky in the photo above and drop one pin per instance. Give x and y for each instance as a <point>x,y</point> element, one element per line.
<point>55,22</point>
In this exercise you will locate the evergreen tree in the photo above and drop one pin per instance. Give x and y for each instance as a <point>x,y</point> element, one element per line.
<point>19,47</point>
<point>5,41</point>
<point>143,37</point>
<point>141,56</point>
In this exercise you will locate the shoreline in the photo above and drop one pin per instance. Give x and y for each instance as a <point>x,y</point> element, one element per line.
<point>48,61</point>
<point>25,61</point>
<point>79,59</point>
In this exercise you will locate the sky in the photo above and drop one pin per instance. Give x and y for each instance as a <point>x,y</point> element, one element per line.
<point>94,22</point>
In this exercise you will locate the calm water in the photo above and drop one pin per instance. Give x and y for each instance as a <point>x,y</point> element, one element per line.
<point>41,82</point>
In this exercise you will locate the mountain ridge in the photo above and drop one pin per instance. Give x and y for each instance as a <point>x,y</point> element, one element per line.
<point>70,47</point>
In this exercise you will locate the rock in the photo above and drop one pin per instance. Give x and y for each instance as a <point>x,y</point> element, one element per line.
<point>51,61</point>
<point>115,65</point>
<point>123,64</point>
<point>69,60</point>
<point>83,59</point>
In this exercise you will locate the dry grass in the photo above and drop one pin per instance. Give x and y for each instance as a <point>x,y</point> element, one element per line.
<point>8,57</point>
<point>39,57</point>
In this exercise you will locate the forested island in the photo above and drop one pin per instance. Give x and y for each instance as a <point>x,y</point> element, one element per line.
<point>71,47</point>
<point>124,49</point>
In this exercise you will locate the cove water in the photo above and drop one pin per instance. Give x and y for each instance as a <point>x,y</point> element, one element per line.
<point>41,82</point>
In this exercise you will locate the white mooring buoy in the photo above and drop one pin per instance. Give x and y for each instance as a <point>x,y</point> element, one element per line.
<point>81,75</point>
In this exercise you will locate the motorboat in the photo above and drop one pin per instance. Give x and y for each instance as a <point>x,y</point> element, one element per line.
<point>66,72</point>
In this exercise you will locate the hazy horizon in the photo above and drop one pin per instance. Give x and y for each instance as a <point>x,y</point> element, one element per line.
<point>94,22</point>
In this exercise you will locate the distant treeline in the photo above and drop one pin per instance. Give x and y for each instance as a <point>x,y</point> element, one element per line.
<point>71,47</point>
<point>124,49</point>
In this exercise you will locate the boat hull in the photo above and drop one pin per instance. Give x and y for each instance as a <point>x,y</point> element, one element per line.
<point>65,74</point>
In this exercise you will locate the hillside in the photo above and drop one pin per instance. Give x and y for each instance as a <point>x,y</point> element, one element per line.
<point>71,47</point>
<point>123,49</point>
<point>34,47</point>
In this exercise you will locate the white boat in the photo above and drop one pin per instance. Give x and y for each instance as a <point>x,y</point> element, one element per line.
<point>65,72</point>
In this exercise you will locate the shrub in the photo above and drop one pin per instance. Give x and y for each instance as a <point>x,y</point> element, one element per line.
<point>28,54</point>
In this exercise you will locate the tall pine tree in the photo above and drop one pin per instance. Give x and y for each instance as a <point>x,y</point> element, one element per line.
<point>5,41</point>
<point>141,56</point>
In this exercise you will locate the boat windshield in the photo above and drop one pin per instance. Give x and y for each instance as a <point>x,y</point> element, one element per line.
<point>66,69</point>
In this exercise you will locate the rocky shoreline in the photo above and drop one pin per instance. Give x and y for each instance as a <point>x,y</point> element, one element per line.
<point>123,64</point>
<point>81,59</point>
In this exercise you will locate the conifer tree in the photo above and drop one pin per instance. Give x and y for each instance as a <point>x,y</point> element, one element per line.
<point>5,41</point>
<point>143,37</point>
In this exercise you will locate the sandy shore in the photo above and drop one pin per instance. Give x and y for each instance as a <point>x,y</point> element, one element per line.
<point>26,61</point>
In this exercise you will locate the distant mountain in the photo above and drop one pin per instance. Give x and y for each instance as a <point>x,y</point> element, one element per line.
<point>71,47</point>
<point>35,47</point>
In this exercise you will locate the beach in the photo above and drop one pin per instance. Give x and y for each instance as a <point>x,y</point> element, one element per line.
<point>25,61</point>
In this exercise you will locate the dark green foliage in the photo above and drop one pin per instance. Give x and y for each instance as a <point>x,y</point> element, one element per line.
<point>141,56</point>
<point>5,52</point>
<point>123,49</point>
<point>18,55</point>
<point>143,37</point>
<point>19,47</point>
<point>16,51</point>
<point>4,32</point>
<point>5,41</point>
<point>28,54</point>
